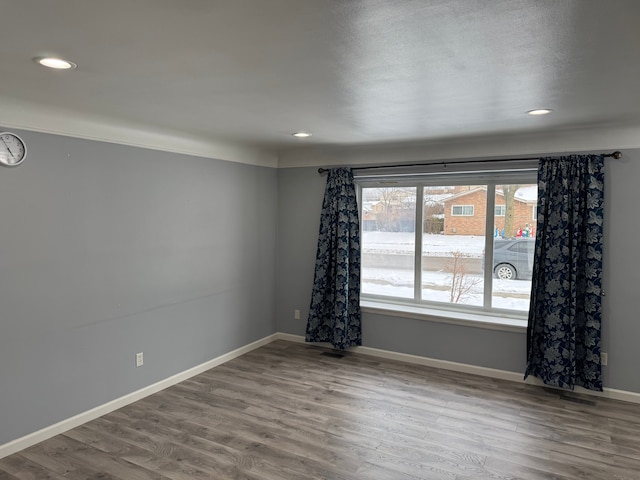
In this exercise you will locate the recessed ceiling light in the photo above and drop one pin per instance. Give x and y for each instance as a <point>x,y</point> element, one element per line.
<point>57,63</point>
<point>301,134</point>
<point>540,111</point>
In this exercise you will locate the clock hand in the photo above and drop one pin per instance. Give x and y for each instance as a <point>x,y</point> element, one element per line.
<point>8,149</point>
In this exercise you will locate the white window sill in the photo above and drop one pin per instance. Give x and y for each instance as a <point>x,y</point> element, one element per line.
<point>490,321</point>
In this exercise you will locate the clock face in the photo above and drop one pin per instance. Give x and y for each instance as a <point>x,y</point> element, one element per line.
<point>12,149</point>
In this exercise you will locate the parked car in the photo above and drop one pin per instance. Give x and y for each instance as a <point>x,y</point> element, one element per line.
<point>513,258</point>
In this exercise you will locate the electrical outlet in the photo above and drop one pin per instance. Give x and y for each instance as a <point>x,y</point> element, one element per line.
<point>604,359</point>
<point>296,314</point>
<point>139,359</point>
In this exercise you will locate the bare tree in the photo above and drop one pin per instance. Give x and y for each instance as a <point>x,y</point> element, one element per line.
<point>461,282</point>
<point>387,197</point>
<point>433,212</point>
<point>398,208</point>
<point>509,192</point>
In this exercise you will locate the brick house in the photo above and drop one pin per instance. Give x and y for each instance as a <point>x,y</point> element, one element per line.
<point>465,211</point>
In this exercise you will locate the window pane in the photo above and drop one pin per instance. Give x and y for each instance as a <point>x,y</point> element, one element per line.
<point>388,241</point>
<point>452,243</point>
<point>514,242</point>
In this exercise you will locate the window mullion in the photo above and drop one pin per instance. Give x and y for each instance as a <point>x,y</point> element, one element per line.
<point>488,245</point>
<point>417,282</point>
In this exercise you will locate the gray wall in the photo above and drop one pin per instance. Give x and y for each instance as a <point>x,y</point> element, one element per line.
<point>110,250</point>
<point>299,204</point>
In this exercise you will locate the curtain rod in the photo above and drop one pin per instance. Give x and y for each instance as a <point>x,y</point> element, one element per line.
<point>617,155</point>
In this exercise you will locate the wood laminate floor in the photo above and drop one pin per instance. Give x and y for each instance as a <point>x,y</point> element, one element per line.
<point>289,411</point>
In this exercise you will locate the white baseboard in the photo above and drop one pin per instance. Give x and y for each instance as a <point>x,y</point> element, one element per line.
<point>518,377</point>
<point>69,423</point>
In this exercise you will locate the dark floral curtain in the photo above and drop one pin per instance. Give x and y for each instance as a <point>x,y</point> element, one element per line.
<point>334,316</point>
<point>563,335</point>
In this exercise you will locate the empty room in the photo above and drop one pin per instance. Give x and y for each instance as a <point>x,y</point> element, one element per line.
<point>319,239</point>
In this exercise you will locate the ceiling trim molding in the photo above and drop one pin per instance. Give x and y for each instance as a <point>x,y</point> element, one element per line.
<point>27,116</point>
<point>33,117</point>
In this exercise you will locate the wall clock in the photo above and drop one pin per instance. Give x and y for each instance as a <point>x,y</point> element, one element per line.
<point>12,149</point>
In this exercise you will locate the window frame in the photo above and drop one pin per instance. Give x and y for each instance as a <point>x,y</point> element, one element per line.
<point>485,316</point>
<point>463,207</point>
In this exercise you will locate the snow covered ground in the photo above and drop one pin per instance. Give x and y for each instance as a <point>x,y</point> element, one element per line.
<point>436,285</point>
<point>509,294</point>
<point>433,245</point>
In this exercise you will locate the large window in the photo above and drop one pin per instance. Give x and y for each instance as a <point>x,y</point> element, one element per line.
<point>456,243</point>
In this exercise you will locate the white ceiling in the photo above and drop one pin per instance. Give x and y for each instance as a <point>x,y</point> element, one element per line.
<point>352,72</point>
